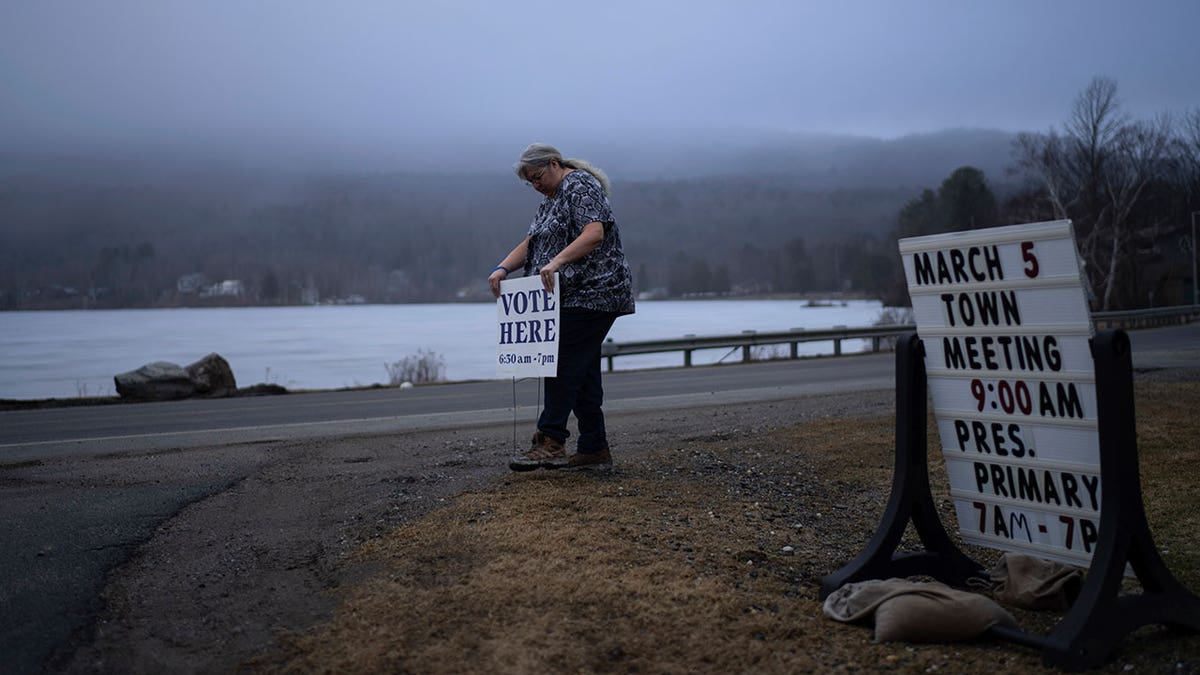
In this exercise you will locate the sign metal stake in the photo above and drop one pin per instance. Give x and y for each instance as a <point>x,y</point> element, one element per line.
<point>537,410</point>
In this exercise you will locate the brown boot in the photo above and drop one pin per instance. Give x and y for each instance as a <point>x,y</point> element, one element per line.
<point>544,453</point>
<point>601,459</point>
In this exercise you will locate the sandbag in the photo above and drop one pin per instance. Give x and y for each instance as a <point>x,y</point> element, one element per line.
<point>913,611</point>
<point>1032,583</point>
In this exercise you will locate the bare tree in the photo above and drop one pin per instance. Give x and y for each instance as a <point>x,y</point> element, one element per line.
<point>1140,152</point>
<point>1095,173</point>
<point>1187,149</point>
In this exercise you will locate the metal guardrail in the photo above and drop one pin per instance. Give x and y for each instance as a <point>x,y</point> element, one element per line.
<point>748,339</point>
<point>1147,318</point>
<point>1129,319</point>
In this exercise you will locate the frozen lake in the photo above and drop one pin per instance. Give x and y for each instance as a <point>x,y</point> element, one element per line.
<point>77,353</point>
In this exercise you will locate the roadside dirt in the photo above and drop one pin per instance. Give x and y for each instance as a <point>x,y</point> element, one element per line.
<point>421,553</point>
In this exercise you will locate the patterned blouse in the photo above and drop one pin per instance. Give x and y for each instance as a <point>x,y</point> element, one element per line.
<point>599,280</point>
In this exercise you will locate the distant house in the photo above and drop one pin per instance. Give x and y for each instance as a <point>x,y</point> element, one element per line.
<point>191,284</point>
<point>230,288</point>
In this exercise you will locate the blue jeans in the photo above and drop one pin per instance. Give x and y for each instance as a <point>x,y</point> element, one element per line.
<point>577,387</point>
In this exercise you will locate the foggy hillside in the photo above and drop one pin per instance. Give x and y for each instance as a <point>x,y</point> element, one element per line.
<point>826,161</point>
<point>781,213</point>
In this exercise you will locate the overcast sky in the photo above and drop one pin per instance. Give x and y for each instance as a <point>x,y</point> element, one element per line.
<point>378,76</point>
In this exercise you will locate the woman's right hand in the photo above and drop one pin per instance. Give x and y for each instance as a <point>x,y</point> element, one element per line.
<point>494,280</point>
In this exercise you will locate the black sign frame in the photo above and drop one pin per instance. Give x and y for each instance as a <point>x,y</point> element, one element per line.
<point>1101,616</point>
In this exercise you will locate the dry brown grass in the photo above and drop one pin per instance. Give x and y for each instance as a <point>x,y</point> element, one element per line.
<point>675,562</point>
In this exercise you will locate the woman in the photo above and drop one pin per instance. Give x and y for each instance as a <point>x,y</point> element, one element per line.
<point>574,234</point>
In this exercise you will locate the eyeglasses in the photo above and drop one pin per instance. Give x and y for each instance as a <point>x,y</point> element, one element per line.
<point>531,178</point>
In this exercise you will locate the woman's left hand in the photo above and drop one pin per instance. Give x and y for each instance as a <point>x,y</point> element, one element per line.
<point>548,271</point>
<point>585,243</point>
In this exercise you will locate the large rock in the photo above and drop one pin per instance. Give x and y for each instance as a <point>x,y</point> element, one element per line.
<point>158,381</point>
<point>212,376</point>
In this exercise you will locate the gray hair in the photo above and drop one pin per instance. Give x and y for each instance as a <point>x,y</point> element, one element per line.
<point>538,155</point>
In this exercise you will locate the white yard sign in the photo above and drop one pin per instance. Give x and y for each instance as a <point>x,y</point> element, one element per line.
<point>1005,325</point>
<point>527,328</point>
